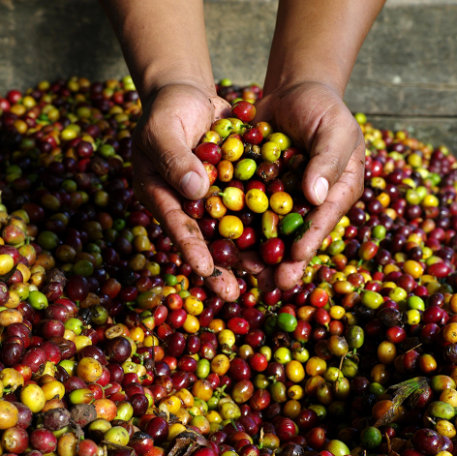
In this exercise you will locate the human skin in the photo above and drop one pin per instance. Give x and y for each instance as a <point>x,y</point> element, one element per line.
<point>313,52</point>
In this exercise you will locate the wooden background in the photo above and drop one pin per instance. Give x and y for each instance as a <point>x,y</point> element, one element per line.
<point>405,76</point>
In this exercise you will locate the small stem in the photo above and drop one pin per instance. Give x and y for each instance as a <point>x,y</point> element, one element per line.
<point>411,349</point>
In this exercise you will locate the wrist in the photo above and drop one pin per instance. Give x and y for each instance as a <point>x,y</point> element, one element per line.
<point>163,42</point>
<point>165,73</point>
<point>298,74</point>
<point>318,41</point>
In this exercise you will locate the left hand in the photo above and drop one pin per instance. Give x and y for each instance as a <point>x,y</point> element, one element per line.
<point>315,117</point>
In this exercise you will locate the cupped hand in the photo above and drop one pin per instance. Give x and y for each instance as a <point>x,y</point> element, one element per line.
<point>173,121</point>
<point>314,116</point>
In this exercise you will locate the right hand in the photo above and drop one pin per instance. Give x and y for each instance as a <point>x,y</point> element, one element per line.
<point>172,123</point>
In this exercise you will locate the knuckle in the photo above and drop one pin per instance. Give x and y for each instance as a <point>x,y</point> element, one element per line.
<point>360,150</point>
<point>360,146</point>
<point>171,164</point>
<point>359,134</point>
<point>334,166</point>
<point>338,210</point>
<point>144,137</point>
<point>359,191</point>
<point>354,126</point>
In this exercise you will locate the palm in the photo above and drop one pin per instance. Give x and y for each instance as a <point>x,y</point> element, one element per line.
<point>316,119</point>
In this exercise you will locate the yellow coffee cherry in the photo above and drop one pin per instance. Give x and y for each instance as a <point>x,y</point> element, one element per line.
<point>281,203</point>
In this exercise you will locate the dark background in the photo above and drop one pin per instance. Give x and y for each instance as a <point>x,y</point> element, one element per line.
<point>405,76</point>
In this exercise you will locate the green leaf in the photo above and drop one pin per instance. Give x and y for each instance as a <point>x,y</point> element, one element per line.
<point>216,273</point>
<point>401,392</point>
<point>303,229</point>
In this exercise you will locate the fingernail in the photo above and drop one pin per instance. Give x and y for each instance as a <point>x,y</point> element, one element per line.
<point>191,184</point>
<point>321,189</point>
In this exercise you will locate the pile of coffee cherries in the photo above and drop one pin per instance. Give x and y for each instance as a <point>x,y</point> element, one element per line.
<point>233,93</point>
<point>255,178</point>
<point>111,345</point>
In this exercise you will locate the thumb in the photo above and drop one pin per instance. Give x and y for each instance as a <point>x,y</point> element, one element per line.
<point>334,142</point>
<point>167,147</point>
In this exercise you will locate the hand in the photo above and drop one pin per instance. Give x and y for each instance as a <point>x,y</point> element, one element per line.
<point>174,120</point>
<point>315,118</point>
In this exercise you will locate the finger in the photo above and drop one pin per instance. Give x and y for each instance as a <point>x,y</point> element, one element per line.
<point>224,285</point>
<point>289,273</point>
<point>265,279</point>
<point>222,108</point>
<point>164,141</point>
<point>251,262</point>
<point>337,137</point>
<point>325,217</point>
<point>163,202</point>
<point>323,220</point>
